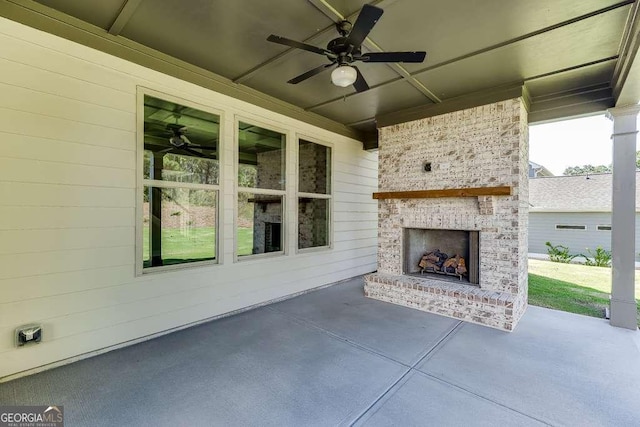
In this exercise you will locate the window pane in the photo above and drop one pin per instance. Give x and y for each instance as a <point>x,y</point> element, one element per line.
<point>181,143</point>
<point>571,227</point>
<point>179,226</point>
<point>313,222</point>
<point>260,227</point>
<point>261,157</point>
<point>314,168</point>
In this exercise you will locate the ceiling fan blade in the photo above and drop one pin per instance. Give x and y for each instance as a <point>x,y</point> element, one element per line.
<point>204,147</point>
<point>298,45</point>
<point>157,148</point>
<point>175,127</point>
<point>367,18</point>
<point>309,73</point>
<point>360,84</point>
<point>193,152</point>
<point>393,57</point>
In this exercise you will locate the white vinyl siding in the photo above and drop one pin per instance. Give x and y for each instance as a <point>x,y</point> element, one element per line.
<point>69,181</point>
<point>542,228</point>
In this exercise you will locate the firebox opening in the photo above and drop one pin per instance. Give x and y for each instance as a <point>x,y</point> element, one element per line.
<point>442,254</point>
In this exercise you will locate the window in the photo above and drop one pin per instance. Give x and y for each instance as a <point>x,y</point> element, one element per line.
<point>571,227</point>
<point>604,228</point>
<point>314,194</point>
<point>181,171</point>
<point>261,190</point>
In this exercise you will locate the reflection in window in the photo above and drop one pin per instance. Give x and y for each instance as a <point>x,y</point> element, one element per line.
<point>259,227</point>
<point>178,168</point>
<point>314,194</point>
<point>185,229</point>
<point>313,222</point>
<point>181,176</point>
<point>314,168</point>
<point>261,156</point>
<point>261,185</point>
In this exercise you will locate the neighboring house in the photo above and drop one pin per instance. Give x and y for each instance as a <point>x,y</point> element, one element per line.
<point>574,211</point>
<point>537,171</point>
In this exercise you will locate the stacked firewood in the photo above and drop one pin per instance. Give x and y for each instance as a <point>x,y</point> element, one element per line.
<point>439,262</point>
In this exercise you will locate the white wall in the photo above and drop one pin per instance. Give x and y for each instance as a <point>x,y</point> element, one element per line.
<point>68,207</point>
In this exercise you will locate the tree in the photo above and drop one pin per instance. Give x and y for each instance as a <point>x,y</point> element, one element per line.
<point>586,169</point>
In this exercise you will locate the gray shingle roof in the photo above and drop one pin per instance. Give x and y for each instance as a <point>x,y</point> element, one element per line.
<point>574,193</point>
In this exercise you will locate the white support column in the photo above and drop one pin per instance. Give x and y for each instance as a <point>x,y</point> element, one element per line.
<point>623,216</point>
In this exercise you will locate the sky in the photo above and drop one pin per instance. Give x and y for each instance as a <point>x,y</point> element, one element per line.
<point>576,142</point>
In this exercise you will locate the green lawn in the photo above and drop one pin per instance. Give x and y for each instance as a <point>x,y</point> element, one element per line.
<point>193,244</point>
<point>572,287</point>
<point>245,240</point>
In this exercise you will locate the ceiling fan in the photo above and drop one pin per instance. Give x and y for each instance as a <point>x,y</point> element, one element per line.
<point>176,135</point>
<point>347,48</point>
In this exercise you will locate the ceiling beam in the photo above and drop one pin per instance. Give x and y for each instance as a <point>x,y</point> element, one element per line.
<point>46,19</point>
<point>325,7</point>
<point>125,14</point>
<point>575,67</point>
<point>576,102</point>
<point>586,107</point>
<point>529,35</point>
<point>362,122</point>
<point>475,99</point>
<point>626,75</point>
<point>486,49</point>
<point>541,98</point>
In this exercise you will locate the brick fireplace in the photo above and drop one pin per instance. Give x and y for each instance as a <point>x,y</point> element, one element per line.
<point>468,153</point>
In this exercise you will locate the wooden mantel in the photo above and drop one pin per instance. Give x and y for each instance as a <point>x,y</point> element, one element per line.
<point>449,192</point>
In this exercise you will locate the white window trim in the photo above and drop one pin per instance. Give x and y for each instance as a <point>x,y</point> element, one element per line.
<point>299,194</point>
<point>141,183</point>
<point>282,193</point>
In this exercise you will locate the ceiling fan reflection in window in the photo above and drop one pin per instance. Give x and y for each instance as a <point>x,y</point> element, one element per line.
<point>179,143</point>
<point>347,49</point>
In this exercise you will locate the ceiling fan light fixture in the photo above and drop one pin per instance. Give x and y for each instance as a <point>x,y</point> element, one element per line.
<point>177,140</point>
<point>344,76</point>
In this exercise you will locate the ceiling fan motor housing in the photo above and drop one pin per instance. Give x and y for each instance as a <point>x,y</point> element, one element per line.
<point>343,50</point>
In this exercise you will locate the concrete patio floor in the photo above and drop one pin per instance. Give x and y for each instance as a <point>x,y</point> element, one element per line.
<point>334,357</point>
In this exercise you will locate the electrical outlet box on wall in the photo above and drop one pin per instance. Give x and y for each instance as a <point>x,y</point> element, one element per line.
<point>28,334</point>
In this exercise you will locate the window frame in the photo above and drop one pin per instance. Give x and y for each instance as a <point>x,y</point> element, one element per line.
<point>571,227</point>
<point>299,194</point>
<point>608,227</point>
<point>142,183</point>
<point>284,194</point>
